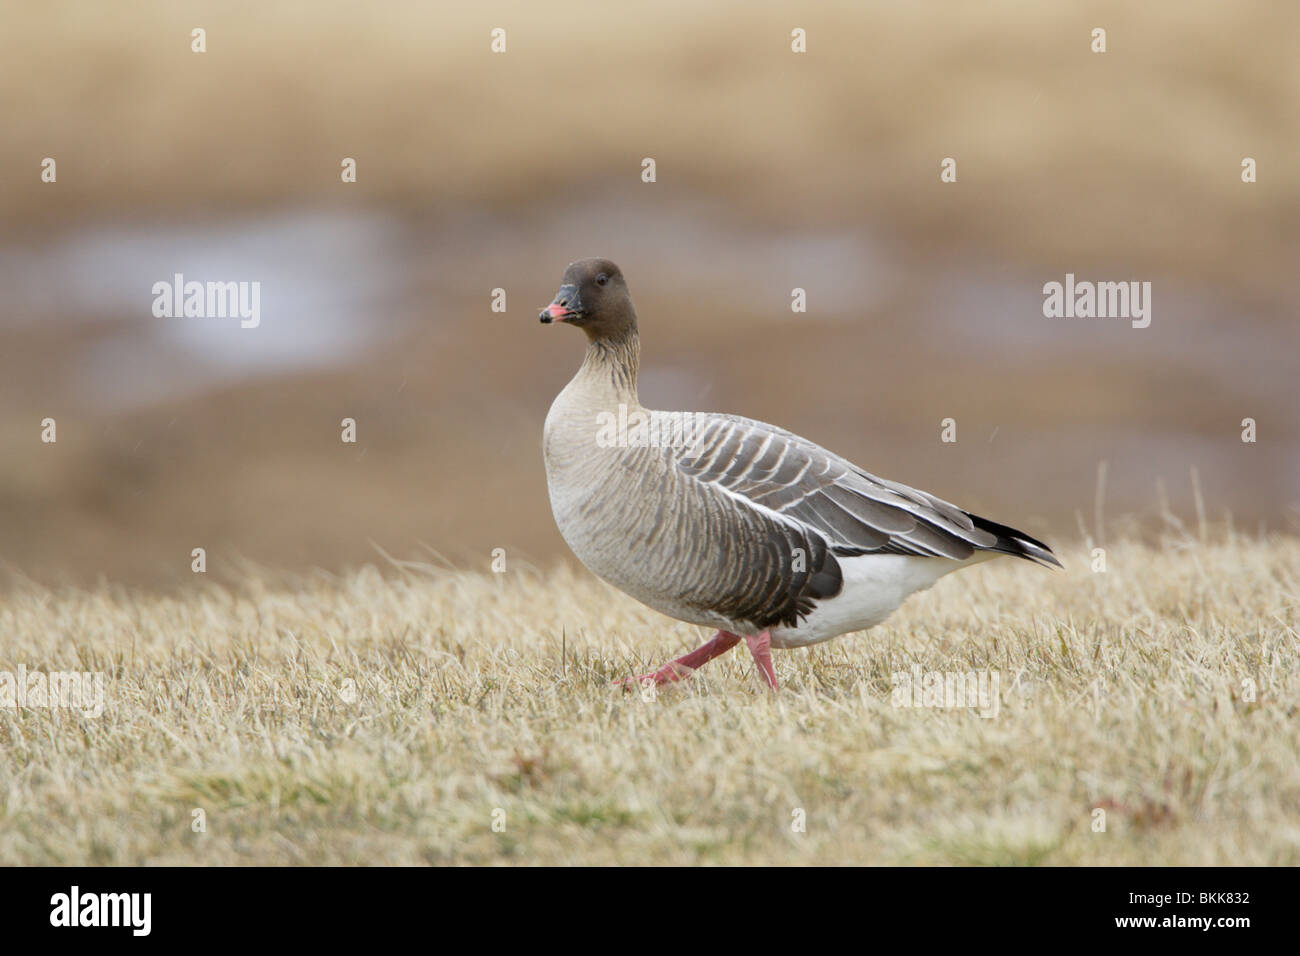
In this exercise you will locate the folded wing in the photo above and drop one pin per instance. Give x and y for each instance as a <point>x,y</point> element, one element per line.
<point>769,468</point>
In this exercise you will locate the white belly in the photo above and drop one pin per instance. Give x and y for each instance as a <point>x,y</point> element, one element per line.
<point>874,586</point>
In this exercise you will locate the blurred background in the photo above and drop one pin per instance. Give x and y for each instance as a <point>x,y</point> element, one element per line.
<point>775,170</point>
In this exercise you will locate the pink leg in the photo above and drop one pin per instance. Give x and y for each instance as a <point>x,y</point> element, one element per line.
<point>683,666</point>
<point>760,646</point>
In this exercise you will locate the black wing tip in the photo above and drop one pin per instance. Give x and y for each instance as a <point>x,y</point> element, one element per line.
<point>1016,543</point>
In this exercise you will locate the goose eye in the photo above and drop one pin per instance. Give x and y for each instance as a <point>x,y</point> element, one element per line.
<point>602,279</point>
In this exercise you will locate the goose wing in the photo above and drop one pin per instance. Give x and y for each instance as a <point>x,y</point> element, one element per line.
<point>774,513</point>
<point>767,468</point>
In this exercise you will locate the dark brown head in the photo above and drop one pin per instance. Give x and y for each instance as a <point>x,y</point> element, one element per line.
<point>594,297</point>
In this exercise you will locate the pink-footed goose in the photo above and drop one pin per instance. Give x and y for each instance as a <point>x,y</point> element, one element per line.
<point>726,522</point>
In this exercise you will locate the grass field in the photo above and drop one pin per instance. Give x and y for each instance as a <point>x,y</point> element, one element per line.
<point>383,718</point>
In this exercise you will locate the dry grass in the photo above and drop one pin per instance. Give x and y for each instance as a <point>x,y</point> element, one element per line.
<point>1121,690</point>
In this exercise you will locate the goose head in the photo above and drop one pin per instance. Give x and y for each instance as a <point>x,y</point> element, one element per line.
<point>594,297</point>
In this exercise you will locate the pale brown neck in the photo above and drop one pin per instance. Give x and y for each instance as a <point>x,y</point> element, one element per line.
<point>615,361</point>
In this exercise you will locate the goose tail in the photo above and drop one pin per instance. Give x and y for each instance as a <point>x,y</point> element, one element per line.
<point>1016,543</point>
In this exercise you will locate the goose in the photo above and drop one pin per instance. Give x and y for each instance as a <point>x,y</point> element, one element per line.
<point>727,522</point>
